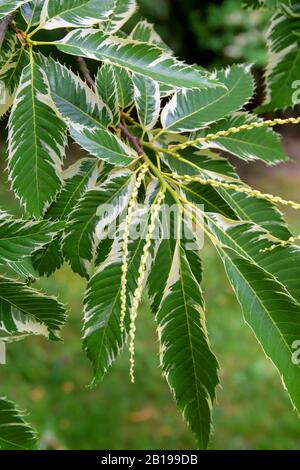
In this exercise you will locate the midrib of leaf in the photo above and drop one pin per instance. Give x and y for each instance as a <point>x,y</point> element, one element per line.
<point>59,14</point>
<point>235,140</point>
<point>85,113</point>
<point>21,309</point>
<point>207,105</point>
<point>190,336</point>
<point>11,443</point>
<point>34,126</point>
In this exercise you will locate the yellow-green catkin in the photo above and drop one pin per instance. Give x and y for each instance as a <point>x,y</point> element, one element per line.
<point>140,282</point>
<point>282,243</point>
<point>131,206</point>
<point>235,130</point>
<point>240,189</point>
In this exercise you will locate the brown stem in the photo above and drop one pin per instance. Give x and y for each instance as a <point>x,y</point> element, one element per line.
<point>4,24</point>
<point>135,142</point>
<point>85,72</point>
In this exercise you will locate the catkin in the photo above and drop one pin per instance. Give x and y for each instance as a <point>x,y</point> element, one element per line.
<point>235,130</point>
<point>240,189</point>
<point>131,206</point>
<point>140,282</point>
<point>282,243</point>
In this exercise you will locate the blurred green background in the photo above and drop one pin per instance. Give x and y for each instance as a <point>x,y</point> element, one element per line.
<point>51,379</point>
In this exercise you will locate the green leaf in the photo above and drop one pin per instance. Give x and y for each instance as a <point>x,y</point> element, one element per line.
<point>77,104</point>
<point>283,67</point>
<point>103,339</point>
<point>107,89</point>
<point>187,361</point>
<point>23,309</point>
<point>49,258</point>
<point>121,12</point>
<point>37,139</point>
<point>147,100</point>
<point>8,6</point>
<point>255,144</point>
<point>15,433</point>
<point>104,145</point>
<point>23,268</point>
<point>270,311</point>
<point>190,110</point>
<point>58,14</point>
<point>96,210</point>
<point>18,238</point>
<point>147,60</point>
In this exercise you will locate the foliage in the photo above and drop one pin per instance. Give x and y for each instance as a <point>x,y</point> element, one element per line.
<point>153,127</point>
<point>282,72</point>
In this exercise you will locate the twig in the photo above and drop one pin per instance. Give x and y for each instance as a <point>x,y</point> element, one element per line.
<point>4,24</point>
<point>132,139</point>
<point>85,71</point>
<point>135,142</point>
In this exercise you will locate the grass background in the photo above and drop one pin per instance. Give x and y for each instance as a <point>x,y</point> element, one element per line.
<point>51,379</point>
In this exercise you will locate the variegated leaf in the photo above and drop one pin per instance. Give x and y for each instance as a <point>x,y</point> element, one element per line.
<point>103,339</point>
<point>77,179</point>
<point>255,144</point>
<point>106,86</point>
<point>19,238</point>
<point>23,309</point>
<point>77,104</point>
<point>8,6</point>
<point>67,13</point>
<point>262,287</point>
<point>187,361</point>
<point>104,145</point>
<point>15,433</point>
<point>147,100</point>
<point>124,87</point>
<point>31,12</point>
<point>190,110</point>
<point>13,59</point>
<point>121,12</point>
<point>96,210</point>
<point>145,59</point>
<point>37,139</point>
